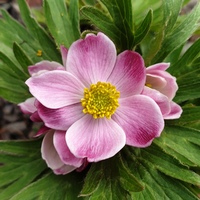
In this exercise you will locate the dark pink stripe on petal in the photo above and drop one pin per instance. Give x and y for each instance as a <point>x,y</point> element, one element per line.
<point>129,74</point>
<point>141,119</point>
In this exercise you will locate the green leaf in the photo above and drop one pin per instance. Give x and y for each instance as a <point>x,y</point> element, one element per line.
<point>52,187</point>
<point>189,118</point>
<point>127,179</point>
<point>183,65</point>
<point>17,170</point>
<point>60,21</point>
<point>171,11</point>
<point>159,172</point>
<point>102,181</point>
<point>12,86</point>
<point>184,142</point>
<point>11,68</point>
<point>143,29</point>
<point>24,175</point>
<point>189,83</point>
<point>179,35</point>
<point>21,57</point>
<point>47,45</point>
<point>104,23</point>
<point>119,26</point>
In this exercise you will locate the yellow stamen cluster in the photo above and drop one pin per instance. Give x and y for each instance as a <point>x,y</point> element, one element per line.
<point>39,53</point>
<point>148,85</point>
<point>100,100</point>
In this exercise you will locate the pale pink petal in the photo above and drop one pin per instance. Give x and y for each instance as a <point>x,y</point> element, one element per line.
<point>158,66</point>
<point>42,131</point>
<point>49,153</point>
<point>63,151</point>
<point>129,74</point>
<point>155,82</point>
<point>171,86</point>
<point>52,158</point>
<point>35,117</point>
<point>65,169</point>
<point>141,119</point>
<point>64,53</point>
<point>95,139</point>
<point>159,98</point>
<point>44,66</point>
<point>92,59</point>
<point>28,106</point>
<point>55,89</point>
<point>62,118</point>
<point>175,112</point>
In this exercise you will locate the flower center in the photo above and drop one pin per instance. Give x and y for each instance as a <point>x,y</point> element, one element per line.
<point>100,100</point>
<point>148,85</point>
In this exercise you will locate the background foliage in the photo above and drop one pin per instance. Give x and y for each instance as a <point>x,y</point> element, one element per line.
<point>170,168</point>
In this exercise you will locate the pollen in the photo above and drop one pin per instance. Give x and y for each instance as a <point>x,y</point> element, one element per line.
<point>39,53</point>
<point>100,100</point>
<point>148,85</point>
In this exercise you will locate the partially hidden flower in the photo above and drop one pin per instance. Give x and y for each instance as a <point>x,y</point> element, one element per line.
<point>95,104</point>
<point>162,87</point>
<point>60,163</point>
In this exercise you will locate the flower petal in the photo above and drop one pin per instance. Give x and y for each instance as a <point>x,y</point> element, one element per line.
<point>129,74</point>
<point>44,66</point>
<point>158,66</point>
<point>159,98</point>
<point>65,169</point>
<point>171,86</point>
<point>28,107</point>
<point>52,158</point>
<point>96,139</point>
<point>175,112</point>
<point>140,118</point>
<point>62,118</point>
<point>64,53</point>
<point>55,89</point>
<point>49,153</point>
<point>63,151</point>
<point>92,59</point>
<point>155,82</point>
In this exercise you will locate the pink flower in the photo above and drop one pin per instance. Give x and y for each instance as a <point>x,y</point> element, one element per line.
<point>162,87</point>
<point>60,163</point>
<point>95,104</point>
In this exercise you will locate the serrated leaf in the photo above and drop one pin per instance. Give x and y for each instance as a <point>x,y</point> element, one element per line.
<point>154,168</point>
<point>183,141</point>
<point>59,22</point>
<point>127,179</point>
<point>189,118</point>
<point>160,186</point>
<point>102,182</point>
<point>52,187</point>
<point>24,175</point>
<point>17,170</point>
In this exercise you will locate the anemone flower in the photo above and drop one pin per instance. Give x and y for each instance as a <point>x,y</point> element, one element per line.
<point>161,86</point>
<point>95,104</point>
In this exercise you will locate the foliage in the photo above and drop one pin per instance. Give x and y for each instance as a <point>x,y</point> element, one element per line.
<point>169,169</point>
